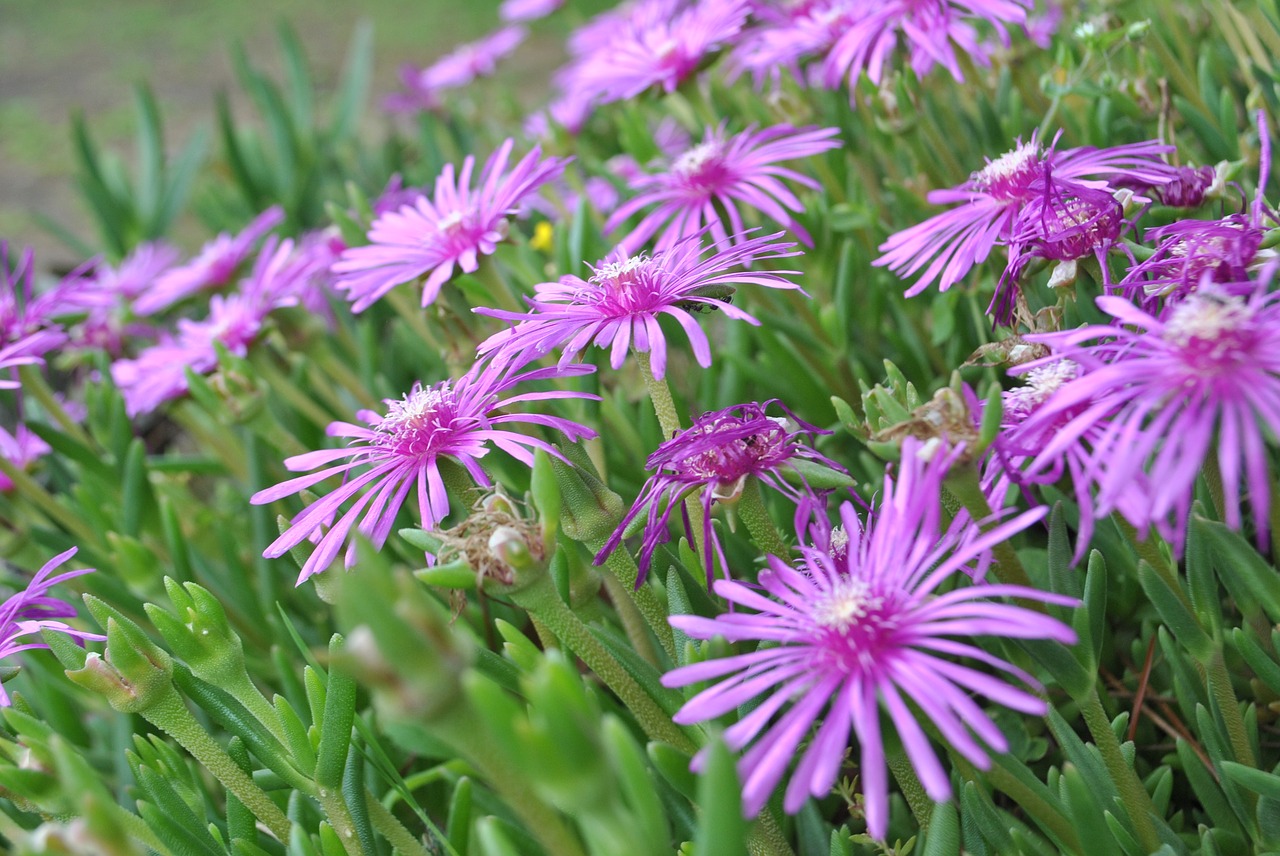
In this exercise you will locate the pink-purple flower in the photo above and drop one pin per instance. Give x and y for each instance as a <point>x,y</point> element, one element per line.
<point>619,305</point>
<point>719,174</point>
<point>433,236</point>
<point>527,10</point>
<point>714,457</point>
<point>20,449</point>
<point>459,68</point>
<point>847,639</point>
<point>402,450</point>
<point>25,614</point>
<point>948,245</point>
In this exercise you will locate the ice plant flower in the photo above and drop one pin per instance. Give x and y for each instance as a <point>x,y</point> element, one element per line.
<point>1164,394</point>
<point>215,265</point>
<point>786,34</point>
<point>714,457</point>
<point>459,68</point>
<point>948,245</point>
<point>527,10</point>
<point>932,30</point>
<point>21,449</point>
<point>453,229</point>
<point>619,305</point>
<point>28,612</point>
<point>848,639</point>
<point>723,172</point>
<point>395,452</point>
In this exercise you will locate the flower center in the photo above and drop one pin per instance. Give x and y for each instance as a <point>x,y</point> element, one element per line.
<point>702,166</point>
<point>1210,327</point>
<point>625,287</point>
<point>1009,177</point>
<point>847,604</point>
<point>452,224</point>
<point>1040,384</point>
<point>420,423</point>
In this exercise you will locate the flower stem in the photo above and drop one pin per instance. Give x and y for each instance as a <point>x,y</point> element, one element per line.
<point>1229,706</point>
<point>963,484</point>
<point>623,568</point>
<point>765,838</point>
<point>392,829</point>
<point>751,511</point>
<point>632,621</point>
<point>1133,795</point>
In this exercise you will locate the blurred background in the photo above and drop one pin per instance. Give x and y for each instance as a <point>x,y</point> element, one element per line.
<point>57,58</point>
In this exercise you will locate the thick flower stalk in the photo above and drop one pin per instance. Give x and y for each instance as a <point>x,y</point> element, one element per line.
<point>433,236</point>
<point>28,612</point>
<point>722,173</point>
<point>396,452</point>
<point>619,305</point>
<point>867,632</point>
<point>715,457</point>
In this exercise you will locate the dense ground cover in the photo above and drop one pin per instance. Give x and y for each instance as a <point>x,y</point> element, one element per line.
<point>823,428</point>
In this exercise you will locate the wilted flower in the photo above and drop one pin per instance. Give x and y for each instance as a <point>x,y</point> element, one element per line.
<point>391,453</point>
<point>619,306</point>
<point>714,457</point>
<point>1163,395</point>
<point>434,235</point>
<point>721,173</point>
<point>847,639</point>
<point>948,245</point>
<point>26,613</point>
<point>216,264</point>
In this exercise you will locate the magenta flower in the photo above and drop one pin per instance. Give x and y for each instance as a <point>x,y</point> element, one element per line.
<point>846,639</point>
<point>787,34</point>
<point>433,236</point>
<point>1160,396</point>
<point>714,457</point>
<point>215,266</point>
<point>527,10</point>
<point>619,306</point>
<point>932,30</point>
<point>948,245</point>
<point>22,448</point>
<point>722,173</point>
<point>27,351</point>
<point>28,612</point>
<point>392,453</point>
<point>459,68</point>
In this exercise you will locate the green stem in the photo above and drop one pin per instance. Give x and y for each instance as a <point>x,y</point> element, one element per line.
<point>917,800</point>
<point>34,383</point>
<point>242,690</point>
<point>751,511</point>
<point>1133,795</point>
<point>964,485</point>
<point>632,621</point>
<point>1149,549</point>
<point>171,716</point>
<point>392,829</point>
<point>1225,697</point>
<point>540,599</point>
<point>42,499</point>
<point>622,567</point>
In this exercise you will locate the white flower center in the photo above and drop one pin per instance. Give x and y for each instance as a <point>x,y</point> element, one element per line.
<point>845,605</point>
<point>1207,317</point>
<point>692,161</point>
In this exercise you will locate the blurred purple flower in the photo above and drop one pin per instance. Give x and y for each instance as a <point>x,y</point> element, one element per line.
<point>383,462</point>
<point>721,173</point>
<point>215,265</point>
<point>948,245</point>
<point>787,33</point>
<point>22,448</point>
<point>619,306</point>
<point>1160,396</point>
<point>435,235</point>
<point>845,639</point>
<point>28,612</point>
<point>527,10</point>
<point>457,69</point>
<point>714,457</point>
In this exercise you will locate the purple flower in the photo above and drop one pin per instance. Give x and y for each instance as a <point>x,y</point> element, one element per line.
<point>22,448</point>
<point>721,173</point>
<point>391,453</point>
<point>1160,396</point>
<point>527,10</point>
<point>455,70</point>
<point>434,235</point>
<point>932,29</point>
<point>619,306</point>
<point>26,613</point>
<point>214,266</point>
<point>786,34</point>
<point>1189,186</point>
<point>948,245</point>
<point>714,457</point>
<point>848,638</point>
<point>27,351</point>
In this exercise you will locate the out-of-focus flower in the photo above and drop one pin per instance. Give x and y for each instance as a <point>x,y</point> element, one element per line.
<point>527,10</point>
<point>846,639</point>
<point>948,245</point>
<point>1189,186</point>
<point>453,229</point>
<point>1160,396</point>
<point>714,457</point>
<point>216,264</point>
<point>786,34</point>
<point>22,448</point>
<point>457,69</point>
<point>28,612</point>
<point>722,173</point>
<point>392,453</point>
<point>619,306</point>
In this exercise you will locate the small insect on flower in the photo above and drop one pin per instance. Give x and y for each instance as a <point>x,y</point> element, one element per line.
<point>842,640</point>
<point>393,452</point>
<point>28,612</point>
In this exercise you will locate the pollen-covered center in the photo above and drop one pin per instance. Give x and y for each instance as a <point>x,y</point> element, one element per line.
<point>703,167</point>
<point>857,624</point>
<point>626,287</point>
<point>1039,385</point>
<point>422,422</point>
<point>1211,329</point>
<point>1009,177</point>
